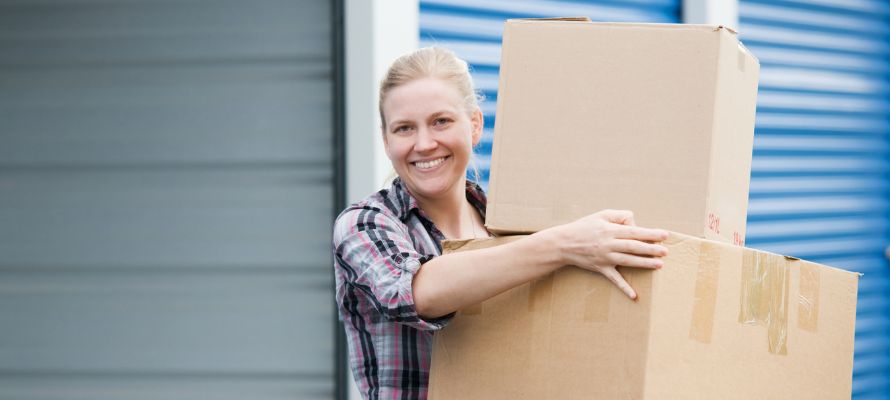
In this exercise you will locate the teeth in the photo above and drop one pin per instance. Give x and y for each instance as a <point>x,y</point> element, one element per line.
<point>429,164</point>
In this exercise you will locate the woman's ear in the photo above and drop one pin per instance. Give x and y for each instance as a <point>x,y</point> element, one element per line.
<point>478,121</point>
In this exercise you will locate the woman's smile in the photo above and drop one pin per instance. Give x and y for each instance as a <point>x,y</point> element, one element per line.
<point>430,164</point>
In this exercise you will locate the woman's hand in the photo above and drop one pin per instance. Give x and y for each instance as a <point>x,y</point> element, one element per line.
<point>602,241</point>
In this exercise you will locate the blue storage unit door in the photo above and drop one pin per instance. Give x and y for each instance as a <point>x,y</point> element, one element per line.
<point>473,30</point>
<point>819,186</point>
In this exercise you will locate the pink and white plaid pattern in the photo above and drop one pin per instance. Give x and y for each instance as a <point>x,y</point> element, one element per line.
<point>379,244</point>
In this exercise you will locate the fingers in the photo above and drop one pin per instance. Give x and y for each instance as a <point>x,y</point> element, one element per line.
<point>629,260</point>
<point>623,217</point>
<point>615,277</point>
<point>640,233</point>
<point>639,248</point>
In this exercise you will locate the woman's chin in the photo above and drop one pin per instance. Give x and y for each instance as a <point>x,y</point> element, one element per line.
<point>432,189</point>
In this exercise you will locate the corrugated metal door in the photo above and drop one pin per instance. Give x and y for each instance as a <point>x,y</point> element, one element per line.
<point>473,30</point>
<point>819,185</point>
<point>166,185</point>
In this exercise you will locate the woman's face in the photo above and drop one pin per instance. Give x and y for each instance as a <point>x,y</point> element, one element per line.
<point>429,137</point>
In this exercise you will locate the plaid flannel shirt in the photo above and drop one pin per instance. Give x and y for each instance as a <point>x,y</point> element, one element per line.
<point>379,244</point>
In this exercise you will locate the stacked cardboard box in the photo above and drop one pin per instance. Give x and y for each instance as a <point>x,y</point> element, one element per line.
<point>657,119</point>
<point>654,118</point>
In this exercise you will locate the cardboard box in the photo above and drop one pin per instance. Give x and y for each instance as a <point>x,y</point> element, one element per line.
<point>717,322</point>
<point>654,118</point>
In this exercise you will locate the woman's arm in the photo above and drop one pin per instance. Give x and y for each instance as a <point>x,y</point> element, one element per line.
<point>598,242</point>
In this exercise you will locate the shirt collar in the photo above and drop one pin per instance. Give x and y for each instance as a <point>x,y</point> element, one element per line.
<point>406,203</point>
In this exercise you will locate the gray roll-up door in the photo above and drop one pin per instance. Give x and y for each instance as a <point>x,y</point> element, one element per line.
<point>166,192</point>
<point>473,29</point>
<point>819,180</point>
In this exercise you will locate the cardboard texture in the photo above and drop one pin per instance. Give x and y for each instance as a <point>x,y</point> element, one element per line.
<point>717,322</point>
<point>654,118</point>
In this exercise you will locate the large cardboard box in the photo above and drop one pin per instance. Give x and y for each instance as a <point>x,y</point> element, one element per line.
<point>717,322</point>
<point>654,118</point>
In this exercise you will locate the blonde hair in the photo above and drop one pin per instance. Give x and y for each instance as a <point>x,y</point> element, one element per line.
<point>433,62</point>
<point>430,62</point>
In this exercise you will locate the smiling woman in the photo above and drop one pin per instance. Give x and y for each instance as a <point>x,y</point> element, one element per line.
<point>394,288</point>
<point>429,137</point>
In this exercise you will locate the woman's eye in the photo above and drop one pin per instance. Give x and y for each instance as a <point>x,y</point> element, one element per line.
<point>441,121</point>
<point>401,129</point>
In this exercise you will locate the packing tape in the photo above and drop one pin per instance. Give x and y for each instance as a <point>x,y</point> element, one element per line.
<point>597,298</point>
<point>764,296</point>
<point>705,304</point>
<point>752,286</point>
<point>808,297</point>
<point>452,245</point>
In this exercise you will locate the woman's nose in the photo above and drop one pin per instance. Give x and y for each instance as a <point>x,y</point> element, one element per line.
<point>425,141</point>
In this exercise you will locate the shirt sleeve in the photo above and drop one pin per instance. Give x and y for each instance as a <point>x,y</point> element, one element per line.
<point>376,255</point>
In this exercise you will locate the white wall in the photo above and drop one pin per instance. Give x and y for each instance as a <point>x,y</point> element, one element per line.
<point>714,12</point>
<point>377,31</point>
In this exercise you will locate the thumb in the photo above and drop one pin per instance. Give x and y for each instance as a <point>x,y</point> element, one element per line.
<point>612,274</point>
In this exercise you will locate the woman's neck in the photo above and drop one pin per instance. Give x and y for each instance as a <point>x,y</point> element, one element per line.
<point>453,214</point>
